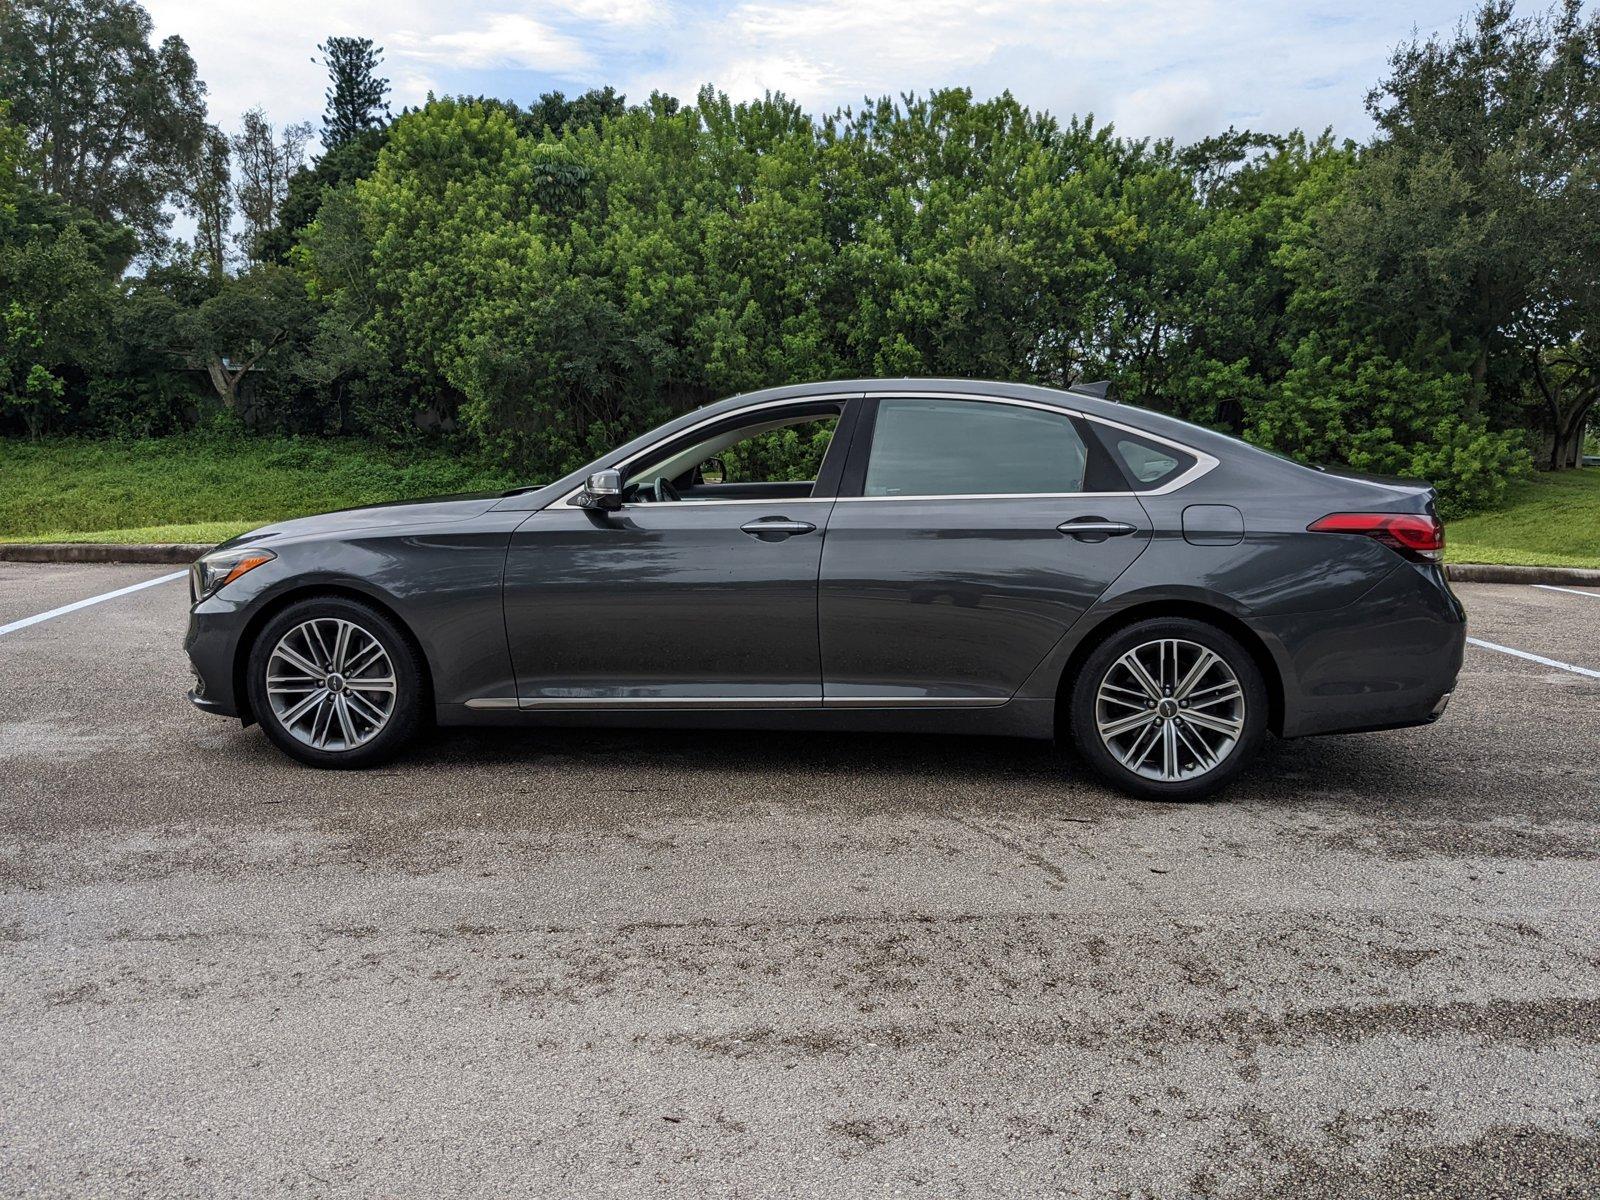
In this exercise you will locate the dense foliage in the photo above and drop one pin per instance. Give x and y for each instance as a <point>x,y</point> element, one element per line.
<point>545,281</point>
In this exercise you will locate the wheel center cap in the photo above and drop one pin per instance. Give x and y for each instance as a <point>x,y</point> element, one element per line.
<point>1168,707</point>
<point>336,682</point>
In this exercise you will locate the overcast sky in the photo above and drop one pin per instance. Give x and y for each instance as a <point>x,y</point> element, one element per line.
<point>1182,68</point>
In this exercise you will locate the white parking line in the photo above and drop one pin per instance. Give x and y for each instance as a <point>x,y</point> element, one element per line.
<point>1550,587</point>
<point>1538,658</point>
<point>74,607</point>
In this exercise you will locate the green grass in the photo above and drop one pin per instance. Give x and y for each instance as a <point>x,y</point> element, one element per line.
<point>1550,520</point>
<point>200,488</point>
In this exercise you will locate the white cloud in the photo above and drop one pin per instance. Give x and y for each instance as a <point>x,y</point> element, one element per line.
<point>502,40</point>
<point>1153,67</point>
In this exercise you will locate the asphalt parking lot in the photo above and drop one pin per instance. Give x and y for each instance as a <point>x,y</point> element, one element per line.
<point>558,963</point>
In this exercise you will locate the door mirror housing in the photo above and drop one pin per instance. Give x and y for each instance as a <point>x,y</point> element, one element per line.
<point>602,491</point>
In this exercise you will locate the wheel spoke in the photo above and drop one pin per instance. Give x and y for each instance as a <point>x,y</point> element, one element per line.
<point>1137,670</point>
<point>1203,754</point>
<point>365,658</point>
<point>1223,725</point>
<point>1122,725</point>
<point>365,709</point>
<point>320,724</point>
<point>1225,694</point>
<point>341,643</point>
<point>385,684</point>
<point>297,660</point>
<point>290,715</point>
<point>1169,751</point>
<point>316,649</point>
<point>1134,758</point>
<point>1111,692</point>
<point>346,727</point>
<point>1201,665</point>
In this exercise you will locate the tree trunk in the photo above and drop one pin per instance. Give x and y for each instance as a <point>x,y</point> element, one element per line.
<point>1566,450</point>
<point>226,384</point>
<point>1480,380</point>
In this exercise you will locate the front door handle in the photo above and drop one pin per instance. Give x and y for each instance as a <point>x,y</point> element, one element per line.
<point>1095,529</point>
<point>775,529</point>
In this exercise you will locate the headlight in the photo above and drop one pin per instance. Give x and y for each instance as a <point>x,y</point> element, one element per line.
<point>222,567</point>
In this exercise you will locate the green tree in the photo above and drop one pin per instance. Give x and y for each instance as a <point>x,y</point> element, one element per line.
<point>208,199</point>
<point>357,97</point>
<point>115,122</point>
<point>266,160</point>
<point>1472,215</point>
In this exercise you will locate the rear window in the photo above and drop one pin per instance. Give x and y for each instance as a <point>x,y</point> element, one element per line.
<point>1149,464</point>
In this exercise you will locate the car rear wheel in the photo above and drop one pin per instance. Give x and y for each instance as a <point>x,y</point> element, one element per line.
<point>335,683</point>
<point>1169,709</point>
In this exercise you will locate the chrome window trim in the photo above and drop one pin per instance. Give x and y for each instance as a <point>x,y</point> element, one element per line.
<point>791,402</point>
<point>1204,463</point>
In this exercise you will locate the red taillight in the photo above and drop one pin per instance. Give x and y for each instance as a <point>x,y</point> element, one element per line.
<point>1415,535</point>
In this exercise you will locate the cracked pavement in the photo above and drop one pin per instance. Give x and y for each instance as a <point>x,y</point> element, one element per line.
<point>553,962</point>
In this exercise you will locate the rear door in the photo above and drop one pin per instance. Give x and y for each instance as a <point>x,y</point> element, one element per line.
<point>969,535</point>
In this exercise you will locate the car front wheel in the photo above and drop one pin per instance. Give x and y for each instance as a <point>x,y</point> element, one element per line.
<point>1169,709</point>
<point>335,683</point>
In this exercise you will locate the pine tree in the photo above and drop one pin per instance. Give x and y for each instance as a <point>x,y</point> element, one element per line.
<point>356,96</point>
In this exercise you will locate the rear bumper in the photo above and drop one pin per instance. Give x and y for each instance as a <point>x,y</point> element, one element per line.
<point>1387,661</point>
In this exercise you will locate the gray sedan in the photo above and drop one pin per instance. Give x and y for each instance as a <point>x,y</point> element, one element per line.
<point>943,556</point>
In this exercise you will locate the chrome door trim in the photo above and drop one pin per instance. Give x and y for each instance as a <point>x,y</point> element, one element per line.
<point>648,703</point>
<point>717,703</point>
<point>913,702</point>
<point>791,402</point>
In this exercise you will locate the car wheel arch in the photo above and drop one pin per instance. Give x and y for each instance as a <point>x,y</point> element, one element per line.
<point>1212,614</point>
<point>313,591</point>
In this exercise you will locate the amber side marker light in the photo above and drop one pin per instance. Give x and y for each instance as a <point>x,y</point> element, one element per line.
<point>1417,536</point>
<point>243,565</point>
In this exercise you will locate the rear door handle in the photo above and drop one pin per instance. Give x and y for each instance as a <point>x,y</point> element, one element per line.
<point>1095,529</point>
<point>775,529</point>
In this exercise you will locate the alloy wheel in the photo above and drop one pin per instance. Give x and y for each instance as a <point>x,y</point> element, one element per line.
<point>331,684</point>
<point>1170,709</point>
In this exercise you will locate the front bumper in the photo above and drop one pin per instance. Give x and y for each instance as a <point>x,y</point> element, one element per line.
<point>211,642</point>
<point>214,707</point>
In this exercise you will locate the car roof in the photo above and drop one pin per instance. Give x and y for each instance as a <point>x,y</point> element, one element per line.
<point>1069,397</point>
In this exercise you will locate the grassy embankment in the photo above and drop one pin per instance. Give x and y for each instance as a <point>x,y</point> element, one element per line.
<point>205,489</point>
<point>1551,519</point>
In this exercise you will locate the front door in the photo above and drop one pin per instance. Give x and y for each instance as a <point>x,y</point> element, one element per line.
<point>963,546</point>
<point>700,592</point>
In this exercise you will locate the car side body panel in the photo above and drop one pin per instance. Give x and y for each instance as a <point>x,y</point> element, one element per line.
<point>441,579</point>
<point>1356,636</point>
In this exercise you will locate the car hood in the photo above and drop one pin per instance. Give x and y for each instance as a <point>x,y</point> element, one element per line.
<point>376,516</point>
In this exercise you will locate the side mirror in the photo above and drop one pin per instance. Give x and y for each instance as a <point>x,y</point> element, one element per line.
<point>603,491</point>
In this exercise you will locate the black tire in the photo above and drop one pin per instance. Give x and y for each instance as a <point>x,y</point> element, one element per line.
<point>404,720</point>
<point>1103,659</point>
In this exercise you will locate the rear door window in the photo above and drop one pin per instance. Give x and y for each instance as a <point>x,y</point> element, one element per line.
<point>971,448</point>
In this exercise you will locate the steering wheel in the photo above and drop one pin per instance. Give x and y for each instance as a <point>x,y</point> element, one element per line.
<point>663,491</point>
